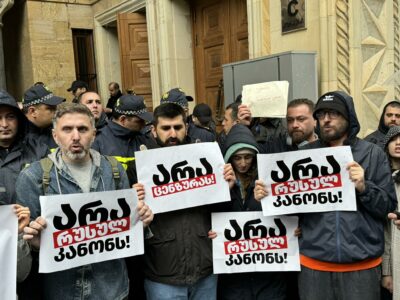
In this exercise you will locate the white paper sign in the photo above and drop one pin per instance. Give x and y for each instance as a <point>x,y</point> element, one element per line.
<point>251,242</point>
<point>89,228</point>
<point>267,99</point>
<point>8,252</point>
<point>184,176</point>
<point>304,181</point>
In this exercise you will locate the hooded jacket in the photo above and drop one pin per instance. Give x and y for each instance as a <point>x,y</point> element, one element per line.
<point>101,122</point>
<point>118,141</point>
<point>16,157</point>
<point>103,280</point>
<point>378,135</point>
<point>352,236</point>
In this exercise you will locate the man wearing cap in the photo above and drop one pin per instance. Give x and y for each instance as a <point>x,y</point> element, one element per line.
<point>122,136</point>
<point>341,251</point>
<point>92,101</point>
<point>39,106</point>
<point>77,87</point>
<point>177,96</point>
<point>199,130</point>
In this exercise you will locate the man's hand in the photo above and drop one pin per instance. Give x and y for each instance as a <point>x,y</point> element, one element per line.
<point>24,215</point>
<point>356,173</point>
<point>387,283</point>
<point>145,213</point>
<point>396,221</point>
<point>229,175</point>
<point>260,190</point>
<point>244,115</point>
<point>32,232</point>
<point>212,234</point>
<point>139,190</point>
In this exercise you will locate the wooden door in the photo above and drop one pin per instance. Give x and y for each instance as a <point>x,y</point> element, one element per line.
<point>134,54</point>
<point>220,36</point>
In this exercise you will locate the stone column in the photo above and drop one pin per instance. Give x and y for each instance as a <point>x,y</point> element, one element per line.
<point>4,6</point>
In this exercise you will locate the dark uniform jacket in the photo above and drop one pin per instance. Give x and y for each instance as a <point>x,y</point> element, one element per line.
<point>201,134</point>
<point>118,141</point>
<point>40,135</point>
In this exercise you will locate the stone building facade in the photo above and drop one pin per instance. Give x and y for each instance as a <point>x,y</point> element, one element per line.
<point>357,44</point>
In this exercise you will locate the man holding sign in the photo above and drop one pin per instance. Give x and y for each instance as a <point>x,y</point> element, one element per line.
<point>341,250</point>
<point>178,258</point>
<point>74,169</point>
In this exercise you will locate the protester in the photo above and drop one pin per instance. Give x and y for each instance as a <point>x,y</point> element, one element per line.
<point>390,117</point>
<point>200,130</point>
<point>341,251</point>
<point>75,168</point>
<point>122,136</point>
<point>178,258</point>
<point>391,259</point>
<point>300,126</point>
<point>92,101</point>
<point>77,87</point>
<point>39,106</point>
<point>240,150</point>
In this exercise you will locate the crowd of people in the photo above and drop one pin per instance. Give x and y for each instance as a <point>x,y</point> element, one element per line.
<point>52,146</point>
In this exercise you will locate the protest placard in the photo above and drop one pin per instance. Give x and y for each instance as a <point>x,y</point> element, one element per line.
<point>251,242</point>
<point>8,252</point>
<point>267,99</point>
<point>89,228</point>
<point>184,176</point>
<point>304,181</point>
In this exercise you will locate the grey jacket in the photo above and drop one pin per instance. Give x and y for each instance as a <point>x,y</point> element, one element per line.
<point>105,280</point>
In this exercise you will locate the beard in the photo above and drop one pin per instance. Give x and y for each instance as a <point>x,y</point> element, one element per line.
<point>338,133</point>
<point>76,155</point>
<point>299,136</point>
<point>169,142</point>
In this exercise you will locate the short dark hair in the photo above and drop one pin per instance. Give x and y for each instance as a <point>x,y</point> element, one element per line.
<point>72,108</point>
<point>302,101</point>
<point>114,85</point>
<point>169,111</point>
<point>392,104</point>
<point>85,92</point>
<point>235,109</point>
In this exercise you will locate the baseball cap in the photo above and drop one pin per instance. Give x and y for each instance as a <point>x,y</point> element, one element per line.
<point>133,105</point>
<point>331,101</point>
<point>40,94</point>
<point>202,112</point>
<point>77,84</point>
<point>177,96</point>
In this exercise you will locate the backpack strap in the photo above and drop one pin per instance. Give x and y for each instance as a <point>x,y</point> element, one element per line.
<point>115,170</point>
<point>46,164</point>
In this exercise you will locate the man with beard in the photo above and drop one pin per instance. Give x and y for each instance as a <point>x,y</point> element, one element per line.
<point>76,168</point>
<point>300,127</point>
<point>341,252</point>
<point>178,257</point>
<point>92,101</point>
<point>390,117</point>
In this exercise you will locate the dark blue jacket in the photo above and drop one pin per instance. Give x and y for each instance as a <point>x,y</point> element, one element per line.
<point>353,236</point>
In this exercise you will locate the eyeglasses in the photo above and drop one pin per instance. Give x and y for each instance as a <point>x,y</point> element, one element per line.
<point>332,114</point>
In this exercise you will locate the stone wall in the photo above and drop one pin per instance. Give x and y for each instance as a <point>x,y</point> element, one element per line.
<point>50,27</point>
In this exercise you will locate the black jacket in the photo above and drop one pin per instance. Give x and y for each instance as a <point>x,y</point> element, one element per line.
<point>378,135</point>
<point>118,141</point>
<point>179,253</point>
<point>39,135</point>
<point>352,236</point>
<point>201,134</point>
<point>101,123</point>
